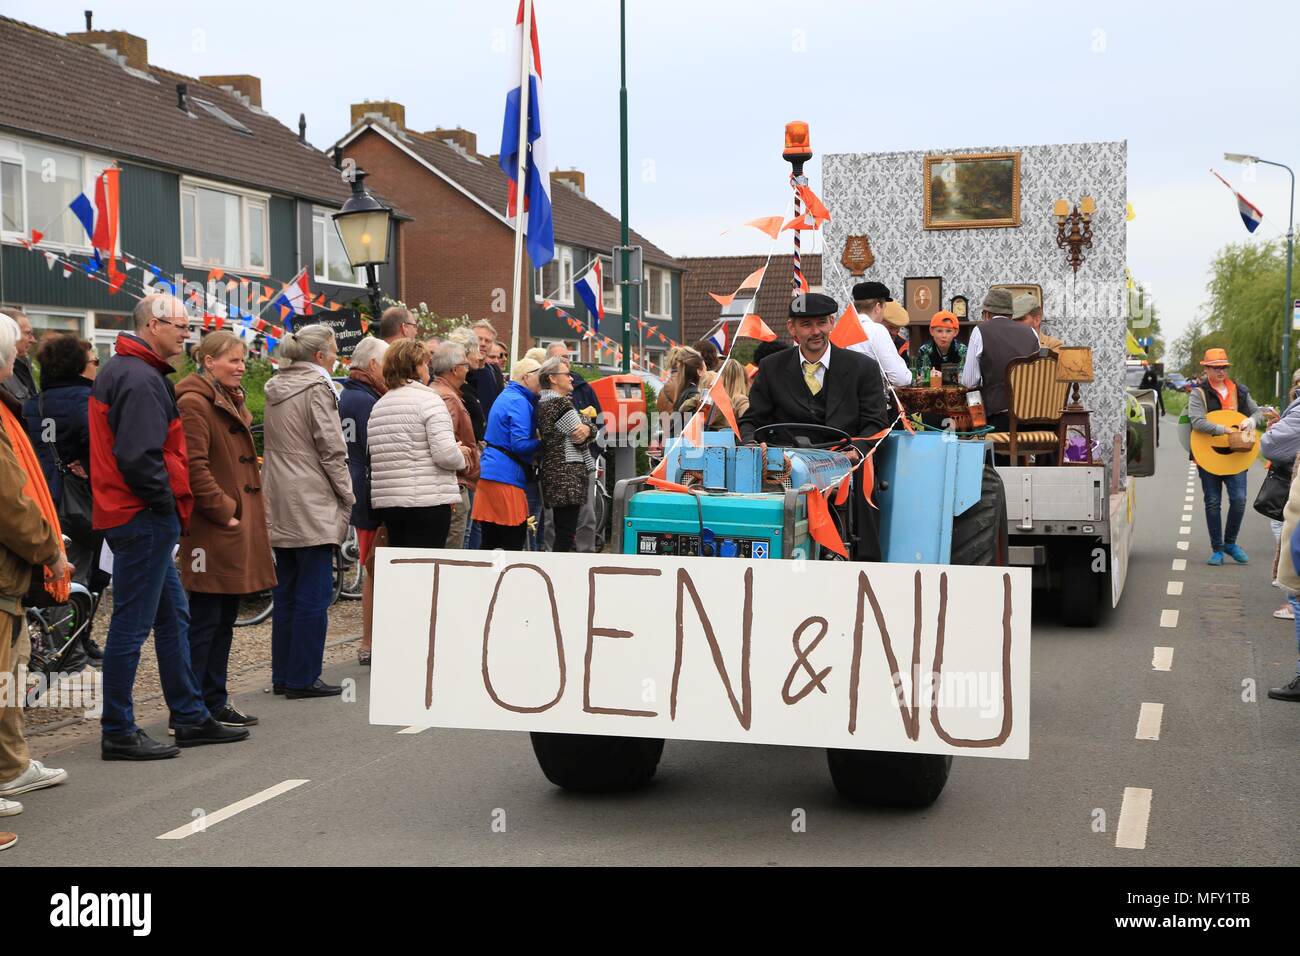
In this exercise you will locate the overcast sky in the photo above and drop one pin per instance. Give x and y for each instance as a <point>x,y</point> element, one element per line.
<point>711,86</point>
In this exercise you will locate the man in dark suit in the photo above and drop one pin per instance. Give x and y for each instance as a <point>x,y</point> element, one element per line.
<point>818,383</point>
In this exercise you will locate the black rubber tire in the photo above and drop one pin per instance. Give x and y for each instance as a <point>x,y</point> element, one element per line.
<point>1080,596</point>
<point>596,764</point>
<point>979,534</point>
<point>882,778</point>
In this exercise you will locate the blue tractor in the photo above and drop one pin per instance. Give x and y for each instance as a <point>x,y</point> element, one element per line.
<point>940,501</point>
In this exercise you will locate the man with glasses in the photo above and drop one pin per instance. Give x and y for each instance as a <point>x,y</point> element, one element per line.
<point>142,502</point>
<point>21,384</point>
<point>397,323</point>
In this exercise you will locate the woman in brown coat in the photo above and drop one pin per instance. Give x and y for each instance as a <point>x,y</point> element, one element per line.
<point>226,552</point>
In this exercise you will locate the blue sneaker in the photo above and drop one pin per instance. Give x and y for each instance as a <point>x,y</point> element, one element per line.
<point>1216,559</point>
<point>1234,551</point>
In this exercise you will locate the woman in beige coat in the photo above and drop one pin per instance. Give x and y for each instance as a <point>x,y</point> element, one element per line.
<point>309,501</point>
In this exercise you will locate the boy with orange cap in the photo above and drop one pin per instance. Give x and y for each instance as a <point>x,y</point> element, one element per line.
<point>943,349</point>
<point>1218,391</point>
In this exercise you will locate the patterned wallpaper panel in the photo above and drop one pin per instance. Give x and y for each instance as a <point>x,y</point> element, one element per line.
<point>880,195</point>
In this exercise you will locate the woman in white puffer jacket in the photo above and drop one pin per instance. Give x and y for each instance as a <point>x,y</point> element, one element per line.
<point>414,455</point>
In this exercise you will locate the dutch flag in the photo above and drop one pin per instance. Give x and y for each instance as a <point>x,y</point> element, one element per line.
<point>1250,213</point>
<point>719,338</point>
<point>540,240</point>
<point>296,296</point>
<point>590,288</point>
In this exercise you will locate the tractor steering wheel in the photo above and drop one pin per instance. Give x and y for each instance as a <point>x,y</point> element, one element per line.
<point>798,432</point>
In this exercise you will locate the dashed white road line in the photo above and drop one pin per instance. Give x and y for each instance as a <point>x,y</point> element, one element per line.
<point>1169,618</point>
<point>1134,815</point>
<point>1175,588</point>
<point>1149,718</point>
<point>1162,658</point>
<point>1189,498</point>
<point>1180,564</point>
<point>1185,529</point>
<point>203,823</point>
<point>1184,545</point>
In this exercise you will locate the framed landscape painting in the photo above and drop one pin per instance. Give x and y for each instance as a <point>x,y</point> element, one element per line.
<point>972,191</point>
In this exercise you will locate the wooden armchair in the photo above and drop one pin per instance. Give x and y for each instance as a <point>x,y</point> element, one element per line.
<point>1035,401</point>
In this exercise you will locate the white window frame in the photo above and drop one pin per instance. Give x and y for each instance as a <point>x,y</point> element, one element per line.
<point>327,215</point>
<point>92,164</point>
<point>665,292</point>
<point>563,258</point>
<point>247,197</point>
<point>607,269</point>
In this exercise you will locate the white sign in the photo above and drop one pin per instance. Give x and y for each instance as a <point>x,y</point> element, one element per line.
<point>1295,315</point>
<point>901,657</point>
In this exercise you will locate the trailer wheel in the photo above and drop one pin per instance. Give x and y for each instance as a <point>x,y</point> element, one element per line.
<point>883,778</point>
<point>979,534</point>
<point>1081,594</point>
<point>597,764</point>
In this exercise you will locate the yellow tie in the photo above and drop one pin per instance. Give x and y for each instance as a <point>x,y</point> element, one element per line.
<point>810,376</point>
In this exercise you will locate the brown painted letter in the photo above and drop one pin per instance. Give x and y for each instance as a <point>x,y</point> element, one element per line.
<point>593,632</point>
<point>1005,731</point>
<point>743,709</point>
<point>559,641</point>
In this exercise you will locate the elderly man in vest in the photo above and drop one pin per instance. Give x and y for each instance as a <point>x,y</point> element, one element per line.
<point>1218,391</point>
<point>993,344</point>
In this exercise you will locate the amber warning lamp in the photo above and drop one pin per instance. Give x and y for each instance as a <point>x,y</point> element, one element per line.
<point>797,146</point>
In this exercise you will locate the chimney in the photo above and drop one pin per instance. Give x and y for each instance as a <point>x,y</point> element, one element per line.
<point>395,112</point>
<point>573,177</point>
<point>90,16</point>
<point>302,127</point>
<point>134,48</point>
<point>461,137</point>
<point>183,97</point>
<point>242,83</point>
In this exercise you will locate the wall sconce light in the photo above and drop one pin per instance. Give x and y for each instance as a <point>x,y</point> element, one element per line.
<point>1074,228</point>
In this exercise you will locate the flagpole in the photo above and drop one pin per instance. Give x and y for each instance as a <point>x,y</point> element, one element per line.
<point>521,173</point>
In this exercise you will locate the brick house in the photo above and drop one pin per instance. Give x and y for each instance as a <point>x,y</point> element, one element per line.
<point>721,274</point>
<point>209,180</point>
<point>458,253</point>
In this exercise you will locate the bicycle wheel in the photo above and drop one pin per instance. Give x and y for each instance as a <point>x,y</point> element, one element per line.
<point>352,579</point>
<point>340,572</point>
<point>254,608</point>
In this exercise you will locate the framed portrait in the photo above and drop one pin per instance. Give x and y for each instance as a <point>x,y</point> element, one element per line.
<point>972,191</point>
<point>922,298</point>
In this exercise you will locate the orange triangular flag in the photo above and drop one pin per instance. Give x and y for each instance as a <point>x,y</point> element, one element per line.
<point>753,280</point>
<point>802,222</point>
<point>813,206</point>
<point>848,330</point>
<point>719,397</point>
<point>694,430</point>
<point>868,479</point>
<point>822,527</point>
<point>722,300</point>
<point>842,492</point>
<point>768,224</point>
<point>753,327</point>
<point>37,235</point>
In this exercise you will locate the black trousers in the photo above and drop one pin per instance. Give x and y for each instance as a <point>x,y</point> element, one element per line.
<point>417,527</point>
<point>566,526</point>
<point>212,629</point>
<point>505,537</point>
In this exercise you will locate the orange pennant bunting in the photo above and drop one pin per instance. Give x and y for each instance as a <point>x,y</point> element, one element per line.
<point>813,206</point>
<point>722,300</point>
<point>720,398</point>
<point>848,330</point>
<point>821,526</point>
<point>753,327</point>
<point>842,492</point>
<point>754,279</point>
<point>768,224</point>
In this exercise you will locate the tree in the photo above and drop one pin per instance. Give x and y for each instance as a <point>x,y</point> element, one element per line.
<point>1144,320</point>
<point>938,194</point>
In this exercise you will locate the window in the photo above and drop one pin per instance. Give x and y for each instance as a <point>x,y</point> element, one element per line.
<point>36,184</point>
<point>44,322</point>
<point>329,259</point>
<point>555,280</point>
<point>659,293</point>
<point>224,228</point>
<point>216,111</point>
<point>611,293</point>
<point>11,196</point>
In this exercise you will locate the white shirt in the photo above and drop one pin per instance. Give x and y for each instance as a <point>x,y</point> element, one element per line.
<point>970,373</point>
<point>880,346</point>
<point>823,364</point>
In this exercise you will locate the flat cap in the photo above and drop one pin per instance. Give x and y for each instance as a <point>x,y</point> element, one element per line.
<point>812,305</point>
<point>998,302</point>
<point>871,290</point>
<point>1022,305</point>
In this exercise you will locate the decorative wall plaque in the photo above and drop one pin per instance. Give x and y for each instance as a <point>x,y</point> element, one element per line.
<point>858,257</point>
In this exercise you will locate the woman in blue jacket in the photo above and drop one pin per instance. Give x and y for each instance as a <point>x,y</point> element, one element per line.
<point>500,501</point>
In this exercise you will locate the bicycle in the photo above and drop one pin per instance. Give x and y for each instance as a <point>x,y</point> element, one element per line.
<point>53,632</point>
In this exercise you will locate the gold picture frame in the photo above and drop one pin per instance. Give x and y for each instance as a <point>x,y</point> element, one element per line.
<point>991,179</point>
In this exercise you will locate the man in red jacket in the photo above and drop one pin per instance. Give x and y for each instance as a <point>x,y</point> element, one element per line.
<point>142,499</point>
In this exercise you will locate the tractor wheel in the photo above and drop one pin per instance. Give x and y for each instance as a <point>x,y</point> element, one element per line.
<point>883,778</point>
<point>979,534</point>
<point>1081,592</point>
<point>597,764</point>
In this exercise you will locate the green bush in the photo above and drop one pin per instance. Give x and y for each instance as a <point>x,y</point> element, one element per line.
<point>1175,402</point>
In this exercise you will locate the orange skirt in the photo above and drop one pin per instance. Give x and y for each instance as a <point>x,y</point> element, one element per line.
<point>498,503</point>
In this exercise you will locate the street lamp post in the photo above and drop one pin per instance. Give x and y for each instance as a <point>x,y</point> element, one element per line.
<point>1290,255</point>
<point>364,226</point>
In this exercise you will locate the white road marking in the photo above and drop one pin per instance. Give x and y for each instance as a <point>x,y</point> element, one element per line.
<point>1175,588</point>
<point>1184,545</point>
<point>1162,659</point>
<point>1180,564</point>
<point>1169,618</point>
<point>1134,815</point>
<point>1149,721</point>
<point>1187,509</point>
<point>203,823</point>
<point>412,730</point>
<point>1189,498</point>
<point>1185,529</point>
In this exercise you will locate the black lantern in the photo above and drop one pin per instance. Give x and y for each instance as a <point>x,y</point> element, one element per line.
<point>364,227</point>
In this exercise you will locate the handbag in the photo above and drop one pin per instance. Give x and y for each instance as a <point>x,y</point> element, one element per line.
<point>1273,493</point>
<point>532,473</point>
<point>75,507</point>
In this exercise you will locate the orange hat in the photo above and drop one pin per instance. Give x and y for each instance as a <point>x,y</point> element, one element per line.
<point>944,320</point>
<point>1216,358</point>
